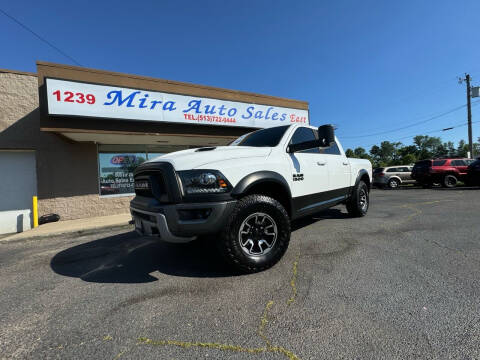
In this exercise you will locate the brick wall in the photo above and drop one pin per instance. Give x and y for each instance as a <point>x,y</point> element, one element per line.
<point>74,207</point>
<point>67,175</point>
<point>19,116</point>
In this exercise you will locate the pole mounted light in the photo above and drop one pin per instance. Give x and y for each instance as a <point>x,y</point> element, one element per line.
<point>475,91</point>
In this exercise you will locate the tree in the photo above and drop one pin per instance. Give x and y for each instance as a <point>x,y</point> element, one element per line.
<point>408,159</point>
<point>462,149</point>
<point>349,153</point>
<point>428,146</point>
<point>424,147</point>
<point>386,154</point>
<point>476,148</point>
<point>360,153</point>
<point>450,149</point>
<point>408,154</point>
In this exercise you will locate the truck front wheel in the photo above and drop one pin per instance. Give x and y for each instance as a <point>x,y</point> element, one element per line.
<point>256,235</point>
<point>359,202</point>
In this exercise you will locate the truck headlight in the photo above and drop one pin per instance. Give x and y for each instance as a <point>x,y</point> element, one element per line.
<point>203,182</point>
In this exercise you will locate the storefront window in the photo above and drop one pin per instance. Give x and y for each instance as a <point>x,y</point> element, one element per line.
<point>154,155</point>
<point>116,172</point>
<point>116,164</point>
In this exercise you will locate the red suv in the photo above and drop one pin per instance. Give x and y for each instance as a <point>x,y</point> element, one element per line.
<point>447,172</point>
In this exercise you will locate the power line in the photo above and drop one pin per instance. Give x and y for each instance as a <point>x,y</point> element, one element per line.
<point>424,133</point>
<point>435,131</point>
<point>39,37</point>
<point>411,125</point>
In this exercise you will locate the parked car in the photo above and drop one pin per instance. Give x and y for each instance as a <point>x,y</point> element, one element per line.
<point>473,173</point>
<point>393,176</point>
<point>446,172</point>
<point>245,195</point>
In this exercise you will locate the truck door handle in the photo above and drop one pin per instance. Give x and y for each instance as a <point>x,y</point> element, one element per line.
<point>321,163</point>
<point>345,163</point>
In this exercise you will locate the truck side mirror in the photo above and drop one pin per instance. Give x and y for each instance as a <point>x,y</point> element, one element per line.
<point>303,146</point>
<point>326,135</point>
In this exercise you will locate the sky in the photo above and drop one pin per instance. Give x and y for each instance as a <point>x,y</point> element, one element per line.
<point>368,67</point>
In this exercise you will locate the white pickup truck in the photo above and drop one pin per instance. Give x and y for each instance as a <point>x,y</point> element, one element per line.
<point>245,195</point>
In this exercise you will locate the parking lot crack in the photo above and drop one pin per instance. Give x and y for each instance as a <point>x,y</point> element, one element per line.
<point>293,281</point>
<point>447,247</point>
<point>264,322</point>
<point>211,345</point>
<point>262,327</point>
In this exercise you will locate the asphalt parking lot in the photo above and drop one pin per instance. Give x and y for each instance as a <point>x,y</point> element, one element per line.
<point>403,282</point>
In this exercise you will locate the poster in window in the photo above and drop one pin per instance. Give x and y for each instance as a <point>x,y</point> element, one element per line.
<point>116,172</point>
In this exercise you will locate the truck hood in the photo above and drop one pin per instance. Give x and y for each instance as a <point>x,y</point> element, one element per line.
<point>195,158</point>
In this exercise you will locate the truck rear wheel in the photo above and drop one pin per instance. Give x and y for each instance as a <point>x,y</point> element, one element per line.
<point>359,202</point>
<point>256,235</point>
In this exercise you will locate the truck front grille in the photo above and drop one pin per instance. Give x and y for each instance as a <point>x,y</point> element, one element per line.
<point>144,192</point>
<point>157,180</point>
<point>155,184</point>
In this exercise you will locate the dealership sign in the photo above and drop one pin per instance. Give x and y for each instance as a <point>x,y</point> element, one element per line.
<point>83,99</point>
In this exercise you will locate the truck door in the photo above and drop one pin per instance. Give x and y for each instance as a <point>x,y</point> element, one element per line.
<point>309,171</point>
<point>338,169</point>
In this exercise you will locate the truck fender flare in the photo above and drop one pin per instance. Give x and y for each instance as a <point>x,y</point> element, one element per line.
<point>259,177</point>
<point>360,174</point>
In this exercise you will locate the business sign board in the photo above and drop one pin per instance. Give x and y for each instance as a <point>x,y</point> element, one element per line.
<point>101,101</point>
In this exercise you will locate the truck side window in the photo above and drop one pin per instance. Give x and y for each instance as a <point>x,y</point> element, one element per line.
<point>303,134</point>
<point>332,150</point>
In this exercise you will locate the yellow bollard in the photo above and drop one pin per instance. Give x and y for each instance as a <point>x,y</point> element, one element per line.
<point>35,212</point>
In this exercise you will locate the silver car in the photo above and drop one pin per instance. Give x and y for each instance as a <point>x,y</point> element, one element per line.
<point>393,176</point>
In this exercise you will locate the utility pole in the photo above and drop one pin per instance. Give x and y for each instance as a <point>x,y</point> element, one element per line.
<point>469,115</point>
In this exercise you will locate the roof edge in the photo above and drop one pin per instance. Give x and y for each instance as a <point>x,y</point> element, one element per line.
<point>164,81</point>
<point>18,72</point>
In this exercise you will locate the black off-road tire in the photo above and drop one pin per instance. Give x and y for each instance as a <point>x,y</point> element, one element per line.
<point>355,205</point>
<point>229,240</point>
<point>449,181</point>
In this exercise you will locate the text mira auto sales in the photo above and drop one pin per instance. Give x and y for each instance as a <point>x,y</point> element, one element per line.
<point>195,106</point>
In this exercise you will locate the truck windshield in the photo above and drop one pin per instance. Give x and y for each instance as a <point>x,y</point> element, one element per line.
<point>262,138</point>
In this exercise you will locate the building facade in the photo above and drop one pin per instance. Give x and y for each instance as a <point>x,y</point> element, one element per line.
<point>72,135</point>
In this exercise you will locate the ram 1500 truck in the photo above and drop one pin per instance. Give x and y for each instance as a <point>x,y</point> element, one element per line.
<point>245,195</point>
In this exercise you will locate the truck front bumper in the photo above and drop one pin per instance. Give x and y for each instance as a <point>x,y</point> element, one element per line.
<point>180,223</point>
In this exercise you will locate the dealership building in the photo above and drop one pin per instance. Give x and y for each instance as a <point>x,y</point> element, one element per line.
<point>72,136</point>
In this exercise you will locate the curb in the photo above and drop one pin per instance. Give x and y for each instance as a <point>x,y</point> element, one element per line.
<point>91,231</point>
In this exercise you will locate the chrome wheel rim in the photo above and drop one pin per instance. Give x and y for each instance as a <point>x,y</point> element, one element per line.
<point>257,234</point>
<point>363,199</point>
<point>393,184</point>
